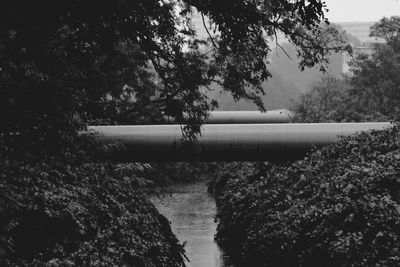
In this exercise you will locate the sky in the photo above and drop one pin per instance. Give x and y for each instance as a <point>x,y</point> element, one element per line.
<point>361,10</point>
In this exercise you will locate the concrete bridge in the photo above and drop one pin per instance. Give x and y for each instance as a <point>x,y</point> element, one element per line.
<point>227,142</point>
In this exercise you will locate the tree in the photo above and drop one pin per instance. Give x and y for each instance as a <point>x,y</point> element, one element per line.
<point>389,30</point>
<point>371,92</point>
<point>375,78</point>
<point>328,101</point>
<point>123,55</point>
<point>334,100</point>
<point>67,64</point>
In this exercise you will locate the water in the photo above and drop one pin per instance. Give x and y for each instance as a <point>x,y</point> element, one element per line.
<point>191,211</point>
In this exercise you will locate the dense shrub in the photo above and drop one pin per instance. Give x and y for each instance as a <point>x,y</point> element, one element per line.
<point>340,206</point>
<point>73,210</point>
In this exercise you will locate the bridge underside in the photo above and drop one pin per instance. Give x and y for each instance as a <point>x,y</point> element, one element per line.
<point>227,142</point>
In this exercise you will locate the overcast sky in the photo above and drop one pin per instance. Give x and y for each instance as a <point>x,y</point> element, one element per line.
<point>361,10</point>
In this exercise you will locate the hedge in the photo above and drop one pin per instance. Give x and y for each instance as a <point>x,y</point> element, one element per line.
<point>73,210</point>
<point>339,206</point>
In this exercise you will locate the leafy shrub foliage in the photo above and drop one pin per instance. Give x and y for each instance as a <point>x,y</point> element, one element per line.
<point>73,210</point>
<point>340,206</point>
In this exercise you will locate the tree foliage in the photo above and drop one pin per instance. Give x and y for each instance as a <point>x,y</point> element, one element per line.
<point>75,210</point>
<point>328,101</point>
<point>340,206</point>
<point>67,64</point>
<point>335,100</point>
<point>122,60</point>
<point>376,81</point>
<point>389,30</point>
<point>371,91</point>
<point>375,78</point>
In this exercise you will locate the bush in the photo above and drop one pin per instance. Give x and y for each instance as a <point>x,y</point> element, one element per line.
<point>73,210</point>
<point>340,206</point>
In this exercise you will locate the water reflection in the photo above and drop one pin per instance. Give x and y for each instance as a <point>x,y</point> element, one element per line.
<point>191,211</point>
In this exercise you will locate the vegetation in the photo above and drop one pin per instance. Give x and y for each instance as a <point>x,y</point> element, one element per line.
<point>328,101</point>
<point>375,78</point>
<point>77,209</point>
<point>124,61</point>
<point>284,88</point>
<point>340,206</point>
<point>335,100</point>
<point>388,30</point>
<point>369,93</point>
<point>67,64</point>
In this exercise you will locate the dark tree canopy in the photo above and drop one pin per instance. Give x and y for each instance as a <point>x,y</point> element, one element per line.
<point>69,63</point>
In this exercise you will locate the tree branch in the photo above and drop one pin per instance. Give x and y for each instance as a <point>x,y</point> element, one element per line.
<point>278,45</point>
<point>209,34</point>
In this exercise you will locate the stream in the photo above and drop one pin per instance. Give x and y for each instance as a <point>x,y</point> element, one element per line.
<point>191,211</point>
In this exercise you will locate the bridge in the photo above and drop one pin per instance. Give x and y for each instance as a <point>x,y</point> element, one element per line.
<point>226,142</point>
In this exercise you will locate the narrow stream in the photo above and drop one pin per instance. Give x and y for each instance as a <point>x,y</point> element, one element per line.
<point>191,211</point>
